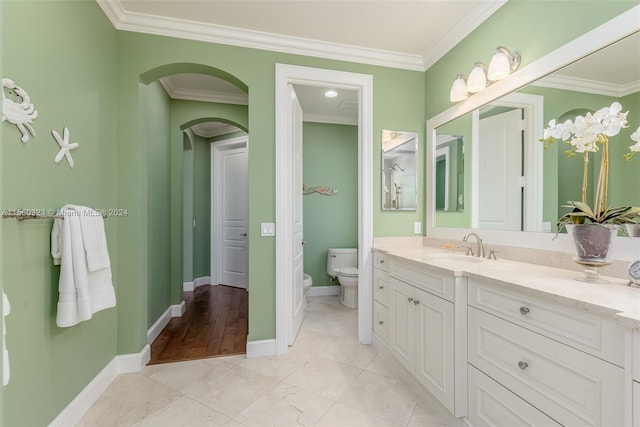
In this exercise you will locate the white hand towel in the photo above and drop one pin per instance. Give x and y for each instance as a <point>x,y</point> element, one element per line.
<point>6,309</point>
<point>94,238</point>
<point>82,292</point>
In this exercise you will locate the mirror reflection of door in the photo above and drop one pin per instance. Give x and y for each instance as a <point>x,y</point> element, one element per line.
<point>500,172</point>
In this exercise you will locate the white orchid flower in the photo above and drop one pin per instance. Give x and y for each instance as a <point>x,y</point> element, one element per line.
<point>636,136</point>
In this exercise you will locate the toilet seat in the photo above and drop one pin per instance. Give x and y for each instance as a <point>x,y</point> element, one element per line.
<point>348,272</point>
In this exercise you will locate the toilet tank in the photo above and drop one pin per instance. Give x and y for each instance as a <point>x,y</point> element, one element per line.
<point>338,258</point>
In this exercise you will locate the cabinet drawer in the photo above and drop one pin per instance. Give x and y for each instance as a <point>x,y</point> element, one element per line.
<point>381,286</point>
<point>594,334</point>
<point>570,386</point>
<point>380,261</point>
<point>381,322</point>
<point>490,404</point>
<point>422,278</point>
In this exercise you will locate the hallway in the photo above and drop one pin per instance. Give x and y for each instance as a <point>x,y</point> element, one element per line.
<point>214,324</point>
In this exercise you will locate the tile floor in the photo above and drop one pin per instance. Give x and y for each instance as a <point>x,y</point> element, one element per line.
<point>326,379</point>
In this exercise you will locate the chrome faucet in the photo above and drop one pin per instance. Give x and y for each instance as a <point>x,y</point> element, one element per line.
<point>480,246</point>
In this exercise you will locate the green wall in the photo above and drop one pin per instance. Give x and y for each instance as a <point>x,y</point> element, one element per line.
<point>330,158</point>
<point>68,65</point>
<point>188,180</point>
<point>202,208</point>
<point>157,114</point>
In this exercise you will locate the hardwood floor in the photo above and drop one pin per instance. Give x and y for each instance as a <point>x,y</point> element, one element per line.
<point>214,324</point>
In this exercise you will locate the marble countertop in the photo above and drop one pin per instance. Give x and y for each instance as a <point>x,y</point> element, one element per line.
<point>614,299</point>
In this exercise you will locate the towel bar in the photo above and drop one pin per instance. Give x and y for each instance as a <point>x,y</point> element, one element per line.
<point>22,214</point>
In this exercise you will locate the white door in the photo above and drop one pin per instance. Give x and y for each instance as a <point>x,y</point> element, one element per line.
<point>298,253</point>
<point>499,177</point>
<point>229,208</point>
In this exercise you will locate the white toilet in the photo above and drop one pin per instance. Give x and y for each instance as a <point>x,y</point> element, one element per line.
<point>307,282</point>
<point>342,263</point>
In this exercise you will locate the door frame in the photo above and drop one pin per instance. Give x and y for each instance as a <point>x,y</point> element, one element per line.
<point>216,208</point>
<point>363,84</point>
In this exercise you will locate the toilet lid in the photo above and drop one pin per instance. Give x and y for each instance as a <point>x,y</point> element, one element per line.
<point>348,272</point>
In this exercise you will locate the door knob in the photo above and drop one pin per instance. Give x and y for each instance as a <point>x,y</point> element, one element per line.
<point>244,234</point>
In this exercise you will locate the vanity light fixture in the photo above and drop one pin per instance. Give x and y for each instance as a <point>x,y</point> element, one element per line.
<point>331,93</point>
<point>477,78</point>
<point>458,89</point>
<point>502,64</point>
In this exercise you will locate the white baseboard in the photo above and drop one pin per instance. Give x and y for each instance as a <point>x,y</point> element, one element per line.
<point>319,291</point>
<point>134,362</point>
<point>198,281</point>
<point>75,410</point>
<point>261,348</point>
<point>176,310</point>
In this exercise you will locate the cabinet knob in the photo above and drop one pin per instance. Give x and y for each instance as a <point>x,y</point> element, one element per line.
<point>410,299</point>
<point>381,261</point>
<point>416,302</point>
<point>380,322</point>
<point>381,287</point>
<point>523,365</point>
<point>524,310</point>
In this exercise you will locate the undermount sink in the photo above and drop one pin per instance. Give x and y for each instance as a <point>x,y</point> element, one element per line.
<point>447,256</point>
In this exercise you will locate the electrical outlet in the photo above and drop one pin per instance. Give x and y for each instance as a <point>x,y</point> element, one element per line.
<point>417,227</point>
<point>267,229</point>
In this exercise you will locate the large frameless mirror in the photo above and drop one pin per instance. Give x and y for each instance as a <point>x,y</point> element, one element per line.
<point>399,170</point>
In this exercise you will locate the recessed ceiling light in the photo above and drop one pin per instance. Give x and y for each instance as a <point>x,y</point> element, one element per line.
<point>331,93</point>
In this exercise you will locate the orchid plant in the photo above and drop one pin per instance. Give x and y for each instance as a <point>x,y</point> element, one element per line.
<point>589,134</point>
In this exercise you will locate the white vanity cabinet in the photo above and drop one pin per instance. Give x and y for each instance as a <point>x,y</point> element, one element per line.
<point>421,334</point>
<point>636,378</point>
<point>551,363</point>
<point>380,298</point>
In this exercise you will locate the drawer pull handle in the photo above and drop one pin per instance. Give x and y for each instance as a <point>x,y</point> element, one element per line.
<point>416,302</point>
<point>524,310</point>
<point>381,261</point>
<point>410,299</point>
<point>381,287</point>
<point>380,322</point>
<point>523,365</point>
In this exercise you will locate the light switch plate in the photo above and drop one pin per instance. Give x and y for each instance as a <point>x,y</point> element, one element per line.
<point>417,227</point>
<point>267,229</point>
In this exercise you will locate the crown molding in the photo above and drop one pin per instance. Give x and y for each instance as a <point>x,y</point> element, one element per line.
<point>200,95</point>
<point>222,129</point>
<point>192,30</point>
<point>460,30</point>
<point>588,86</point>
<point>330,119</point>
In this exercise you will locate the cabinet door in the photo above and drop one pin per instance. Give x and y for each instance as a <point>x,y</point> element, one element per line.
<point>402,323</point>
<point>434,346</point>
<point>636,404</point>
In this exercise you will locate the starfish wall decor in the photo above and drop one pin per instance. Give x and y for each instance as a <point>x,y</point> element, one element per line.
<point>65,146</point>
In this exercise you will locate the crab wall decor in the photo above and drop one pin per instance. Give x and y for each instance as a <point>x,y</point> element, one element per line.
<point>17,108</point>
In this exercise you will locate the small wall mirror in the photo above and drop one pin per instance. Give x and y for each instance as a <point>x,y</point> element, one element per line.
<point>399,170</point>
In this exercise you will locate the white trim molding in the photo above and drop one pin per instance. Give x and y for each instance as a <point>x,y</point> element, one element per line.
<point>192,30</point>
<point>154,331</point>
<point>123,364</point>
<point>363,84</point>
<point>201,281</point>
<point>261,348</point>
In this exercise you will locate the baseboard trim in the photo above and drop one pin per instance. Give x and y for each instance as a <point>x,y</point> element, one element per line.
<point>75,410</point>
<point>206,280</point>
<point>261,348</point>
<point>133,362</point>
<point>319,291</point>
<point>176,310</point>
<point>187,286</point>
